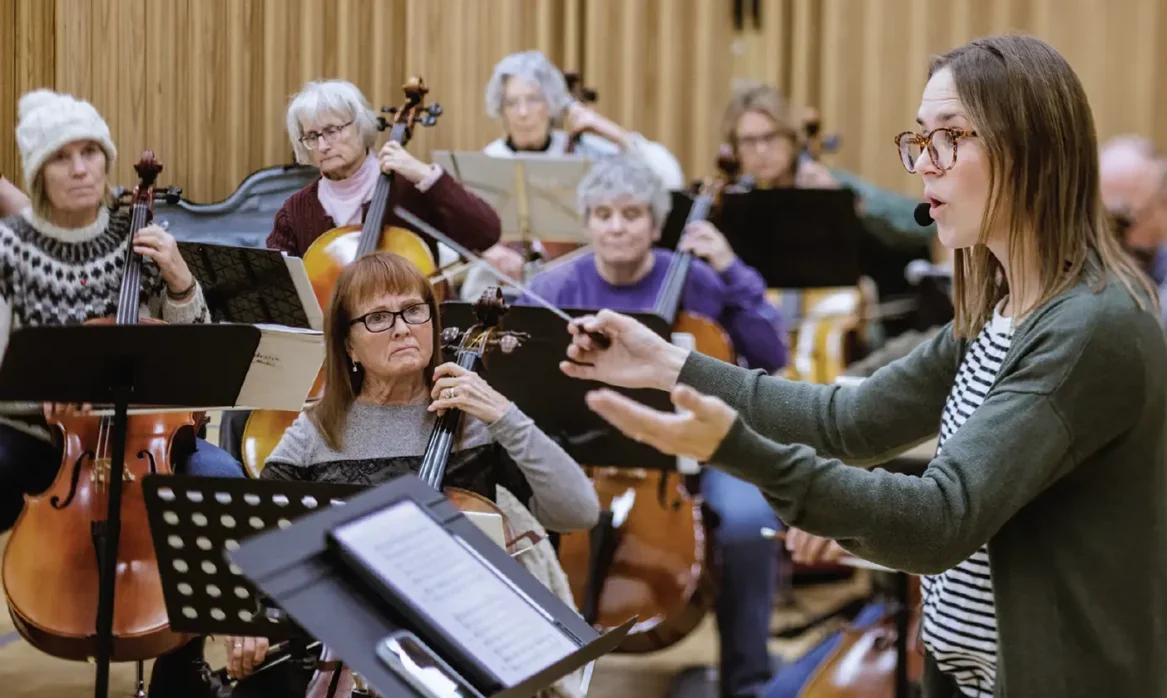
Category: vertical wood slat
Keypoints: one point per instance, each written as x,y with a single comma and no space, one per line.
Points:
206,82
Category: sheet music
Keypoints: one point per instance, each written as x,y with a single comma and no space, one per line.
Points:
444,578
305,292
283,369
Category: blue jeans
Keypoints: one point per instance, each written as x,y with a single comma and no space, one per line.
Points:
791,678
29,465
749,572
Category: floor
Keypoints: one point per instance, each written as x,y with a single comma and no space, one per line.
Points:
27,673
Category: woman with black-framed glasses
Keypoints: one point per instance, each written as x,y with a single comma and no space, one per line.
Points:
385,386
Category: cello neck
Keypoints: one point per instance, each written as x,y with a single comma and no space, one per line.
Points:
441,444
668,300
370,238
141,212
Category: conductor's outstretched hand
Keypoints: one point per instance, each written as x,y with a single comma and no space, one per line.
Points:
695,431
636,358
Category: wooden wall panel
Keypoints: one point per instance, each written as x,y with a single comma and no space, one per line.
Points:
205,83
27,61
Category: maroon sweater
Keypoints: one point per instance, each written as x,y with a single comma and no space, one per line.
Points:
446,206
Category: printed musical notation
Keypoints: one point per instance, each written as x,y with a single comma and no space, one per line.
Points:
461,593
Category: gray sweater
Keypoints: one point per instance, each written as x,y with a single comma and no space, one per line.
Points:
381,442
1062,470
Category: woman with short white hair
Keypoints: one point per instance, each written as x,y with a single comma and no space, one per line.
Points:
528,94
332,127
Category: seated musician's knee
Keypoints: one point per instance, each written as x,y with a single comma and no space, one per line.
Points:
208,460
741,510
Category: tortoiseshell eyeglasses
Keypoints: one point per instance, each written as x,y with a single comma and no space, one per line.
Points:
941,144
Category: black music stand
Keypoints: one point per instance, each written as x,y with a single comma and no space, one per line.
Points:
124,365
795,238
309,575
194,520
530,377
252,286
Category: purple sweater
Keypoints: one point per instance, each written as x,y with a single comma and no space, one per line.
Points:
734,299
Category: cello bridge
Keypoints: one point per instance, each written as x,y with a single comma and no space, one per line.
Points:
101,472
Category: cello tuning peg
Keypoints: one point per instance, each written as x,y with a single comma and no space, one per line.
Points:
434,109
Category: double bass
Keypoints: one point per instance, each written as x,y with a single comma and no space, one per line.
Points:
329,254
51,570
656,554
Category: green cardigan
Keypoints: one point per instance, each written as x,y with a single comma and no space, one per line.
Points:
1061,470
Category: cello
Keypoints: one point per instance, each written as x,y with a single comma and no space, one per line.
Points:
654,548
51,572
339,247
467,348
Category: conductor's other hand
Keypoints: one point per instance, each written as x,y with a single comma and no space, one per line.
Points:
637,357
807,549
506,260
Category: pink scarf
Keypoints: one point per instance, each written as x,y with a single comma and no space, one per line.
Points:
342,200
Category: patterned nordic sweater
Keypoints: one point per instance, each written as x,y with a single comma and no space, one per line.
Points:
56,276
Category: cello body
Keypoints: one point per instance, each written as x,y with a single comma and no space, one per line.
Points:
50,567
662,569
330,253
863,664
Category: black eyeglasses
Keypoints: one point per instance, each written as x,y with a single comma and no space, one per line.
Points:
381,320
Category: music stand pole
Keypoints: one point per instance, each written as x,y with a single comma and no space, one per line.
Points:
106,535
120,365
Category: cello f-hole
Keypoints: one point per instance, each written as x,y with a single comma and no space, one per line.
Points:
55,501
144,454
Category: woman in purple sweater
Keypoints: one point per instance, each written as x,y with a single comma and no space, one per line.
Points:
623,205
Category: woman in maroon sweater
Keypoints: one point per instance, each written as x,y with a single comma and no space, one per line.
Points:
333,128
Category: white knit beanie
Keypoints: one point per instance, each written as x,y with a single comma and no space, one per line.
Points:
49,120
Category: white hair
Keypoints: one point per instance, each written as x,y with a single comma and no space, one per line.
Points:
321,97
623,175
532,66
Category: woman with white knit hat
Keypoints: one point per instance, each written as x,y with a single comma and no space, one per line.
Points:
61,263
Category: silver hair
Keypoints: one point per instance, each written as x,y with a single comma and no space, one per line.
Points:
533,66
623,175
338,97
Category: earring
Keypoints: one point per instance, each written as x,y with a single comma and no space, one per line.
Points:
356,366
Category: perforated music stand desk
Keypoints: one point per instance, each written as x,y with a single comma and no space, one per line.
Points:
253,286
534,195
303,573
530,377
795,238
142,365
195,521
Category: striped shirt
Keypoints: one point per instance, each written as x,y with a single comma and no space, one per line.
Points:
960,624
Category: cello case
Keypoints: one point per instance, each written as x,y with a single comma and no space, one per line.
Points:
243,219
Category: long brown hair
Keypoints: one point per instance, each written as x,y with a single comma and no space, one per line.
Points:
370,276
1032,115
